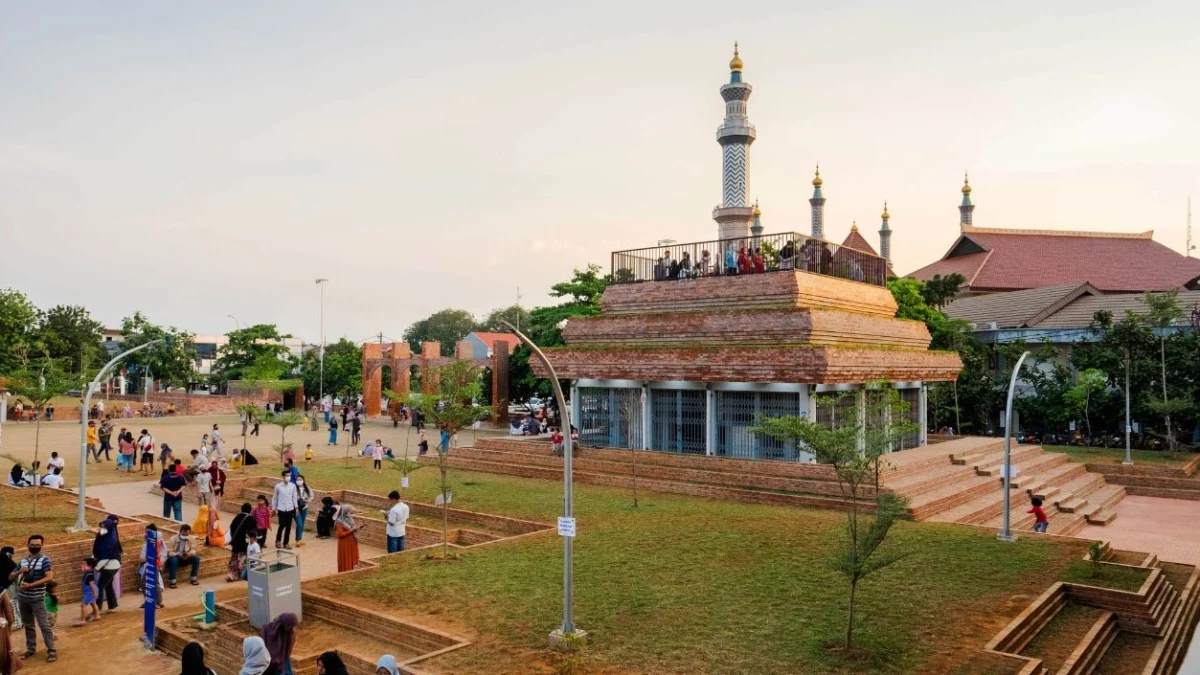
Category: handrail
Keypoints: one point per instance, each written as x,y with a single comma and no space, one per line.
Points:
780,252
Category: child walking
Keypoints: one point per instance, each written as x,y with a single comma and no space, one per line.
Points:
51,601
253,550
1040,521
89,610
262,519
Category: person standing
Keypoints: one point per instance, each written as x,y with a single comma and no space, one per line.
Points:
256,660
262,519
347,548
172,485
193,660
284,503
106,429
204,486
7,617
327,408
215,439
145,445
241,529
107,551
304,495
377,456
7,565
355,429
397,517
93,441
280,637
35,571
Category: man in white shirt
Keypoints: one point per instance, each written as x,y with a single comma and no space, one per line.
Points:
284,503
56,462
53,479
397,517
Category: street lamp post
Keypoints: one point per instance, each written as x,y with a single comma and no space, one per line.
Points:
321,355
568,628
80,521
1006,533
235,321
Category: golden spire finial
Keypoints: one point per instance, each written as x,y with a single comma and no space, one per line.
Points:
885,215
854,226
966,188
735,64
757,211
817,182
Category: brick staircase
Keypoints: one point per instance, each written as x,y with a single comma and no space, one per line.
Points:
1159,611
758,481
960,481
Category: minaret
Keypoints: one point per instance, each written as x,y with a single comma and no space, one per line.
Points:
818,207
885,237
965,209
735,135
756,229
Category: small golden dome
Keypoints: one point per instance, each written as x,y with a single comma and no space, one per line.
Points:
735,64
885,215
854,226
757,211
817,182
966,188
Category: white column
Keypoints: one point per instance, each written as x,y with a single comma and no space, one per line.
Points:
645,416
923,404
710,422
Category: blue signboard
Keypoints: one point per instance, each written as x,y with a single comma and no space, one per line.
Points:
150,583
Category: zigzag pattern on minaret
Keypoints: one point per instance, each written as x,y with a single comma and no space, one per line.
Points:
736,168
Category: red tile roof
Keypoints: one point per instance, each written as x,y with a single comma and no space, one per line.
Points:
1020,259
490,339
855,240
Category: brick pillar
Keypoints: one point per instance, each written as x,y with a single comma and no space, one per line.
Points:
429,378
401,375
500,383
372,379
464,349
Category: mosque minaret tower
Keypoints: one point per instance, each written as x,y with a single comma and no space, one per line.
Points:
735,214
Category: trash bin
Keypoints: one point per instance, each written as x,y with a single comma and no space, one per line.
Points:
274,586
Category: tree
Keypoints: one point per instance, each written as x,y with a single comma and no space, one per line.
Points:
445,327
247,347
18,324
343,369
518,315
451,409
939,289
70,332
1114,344
40,381
1079,397
855,451
1164,312
173,362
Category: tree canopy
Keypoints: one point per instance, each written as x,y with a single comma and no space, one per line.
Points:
515,314
69,332
18,323
247,347
445,327
343,369
173,362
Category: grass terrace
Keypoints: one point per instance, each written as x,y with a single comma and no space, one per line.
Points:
688,585
1117,455
55,513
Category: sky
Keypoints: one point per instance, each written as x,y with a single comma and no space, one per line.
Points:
201,160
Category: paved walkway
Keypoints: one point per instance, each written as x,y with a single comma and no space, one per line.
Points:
1154,525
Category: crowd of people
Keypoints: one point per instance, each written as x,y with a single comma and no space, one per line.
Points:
741,258
270,653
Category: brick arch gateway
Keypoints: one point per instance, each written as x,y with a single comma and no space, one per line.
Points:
398,355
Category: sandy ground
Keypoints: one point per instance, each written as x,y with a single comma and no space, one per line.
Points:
183,434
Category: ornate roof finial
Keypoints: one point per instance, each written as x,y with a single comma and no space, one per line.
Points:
885,215
757,211
966,188
817,182
854,226
735,64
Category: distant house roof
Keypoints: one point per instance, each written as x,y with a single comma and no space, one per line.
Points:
1065,306
994,260
488,339
856,241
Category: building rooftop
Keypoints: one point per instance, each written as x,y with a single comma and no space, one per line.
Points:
1064,306
994,260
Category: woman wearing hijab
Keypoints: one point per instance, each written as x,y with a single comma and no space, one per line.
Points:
280,637
387,665
6,625
730,260
106,549
347,549
16,477
243,524
330,663
193,660
200,524
256,660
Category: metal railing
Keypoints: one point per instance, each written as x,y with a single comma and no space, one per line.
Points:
782,252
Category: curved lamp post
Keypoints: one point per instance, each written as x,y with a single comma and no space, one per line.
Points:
568,628
1006,533
80,520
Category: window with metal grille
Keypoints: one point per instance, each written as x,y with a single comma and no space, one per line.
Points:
610,417
910,411
737,411
678,420
838,409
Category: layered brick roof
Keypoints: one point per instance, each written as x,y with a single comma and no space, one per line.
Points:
993,259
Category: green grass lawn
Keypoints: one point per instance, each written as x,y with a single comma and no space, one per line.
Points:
1116,456
54,515
687,585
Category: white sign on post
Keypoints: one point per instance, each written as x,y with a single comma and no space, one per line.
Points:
566,527
443,499
1006,469
404,481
